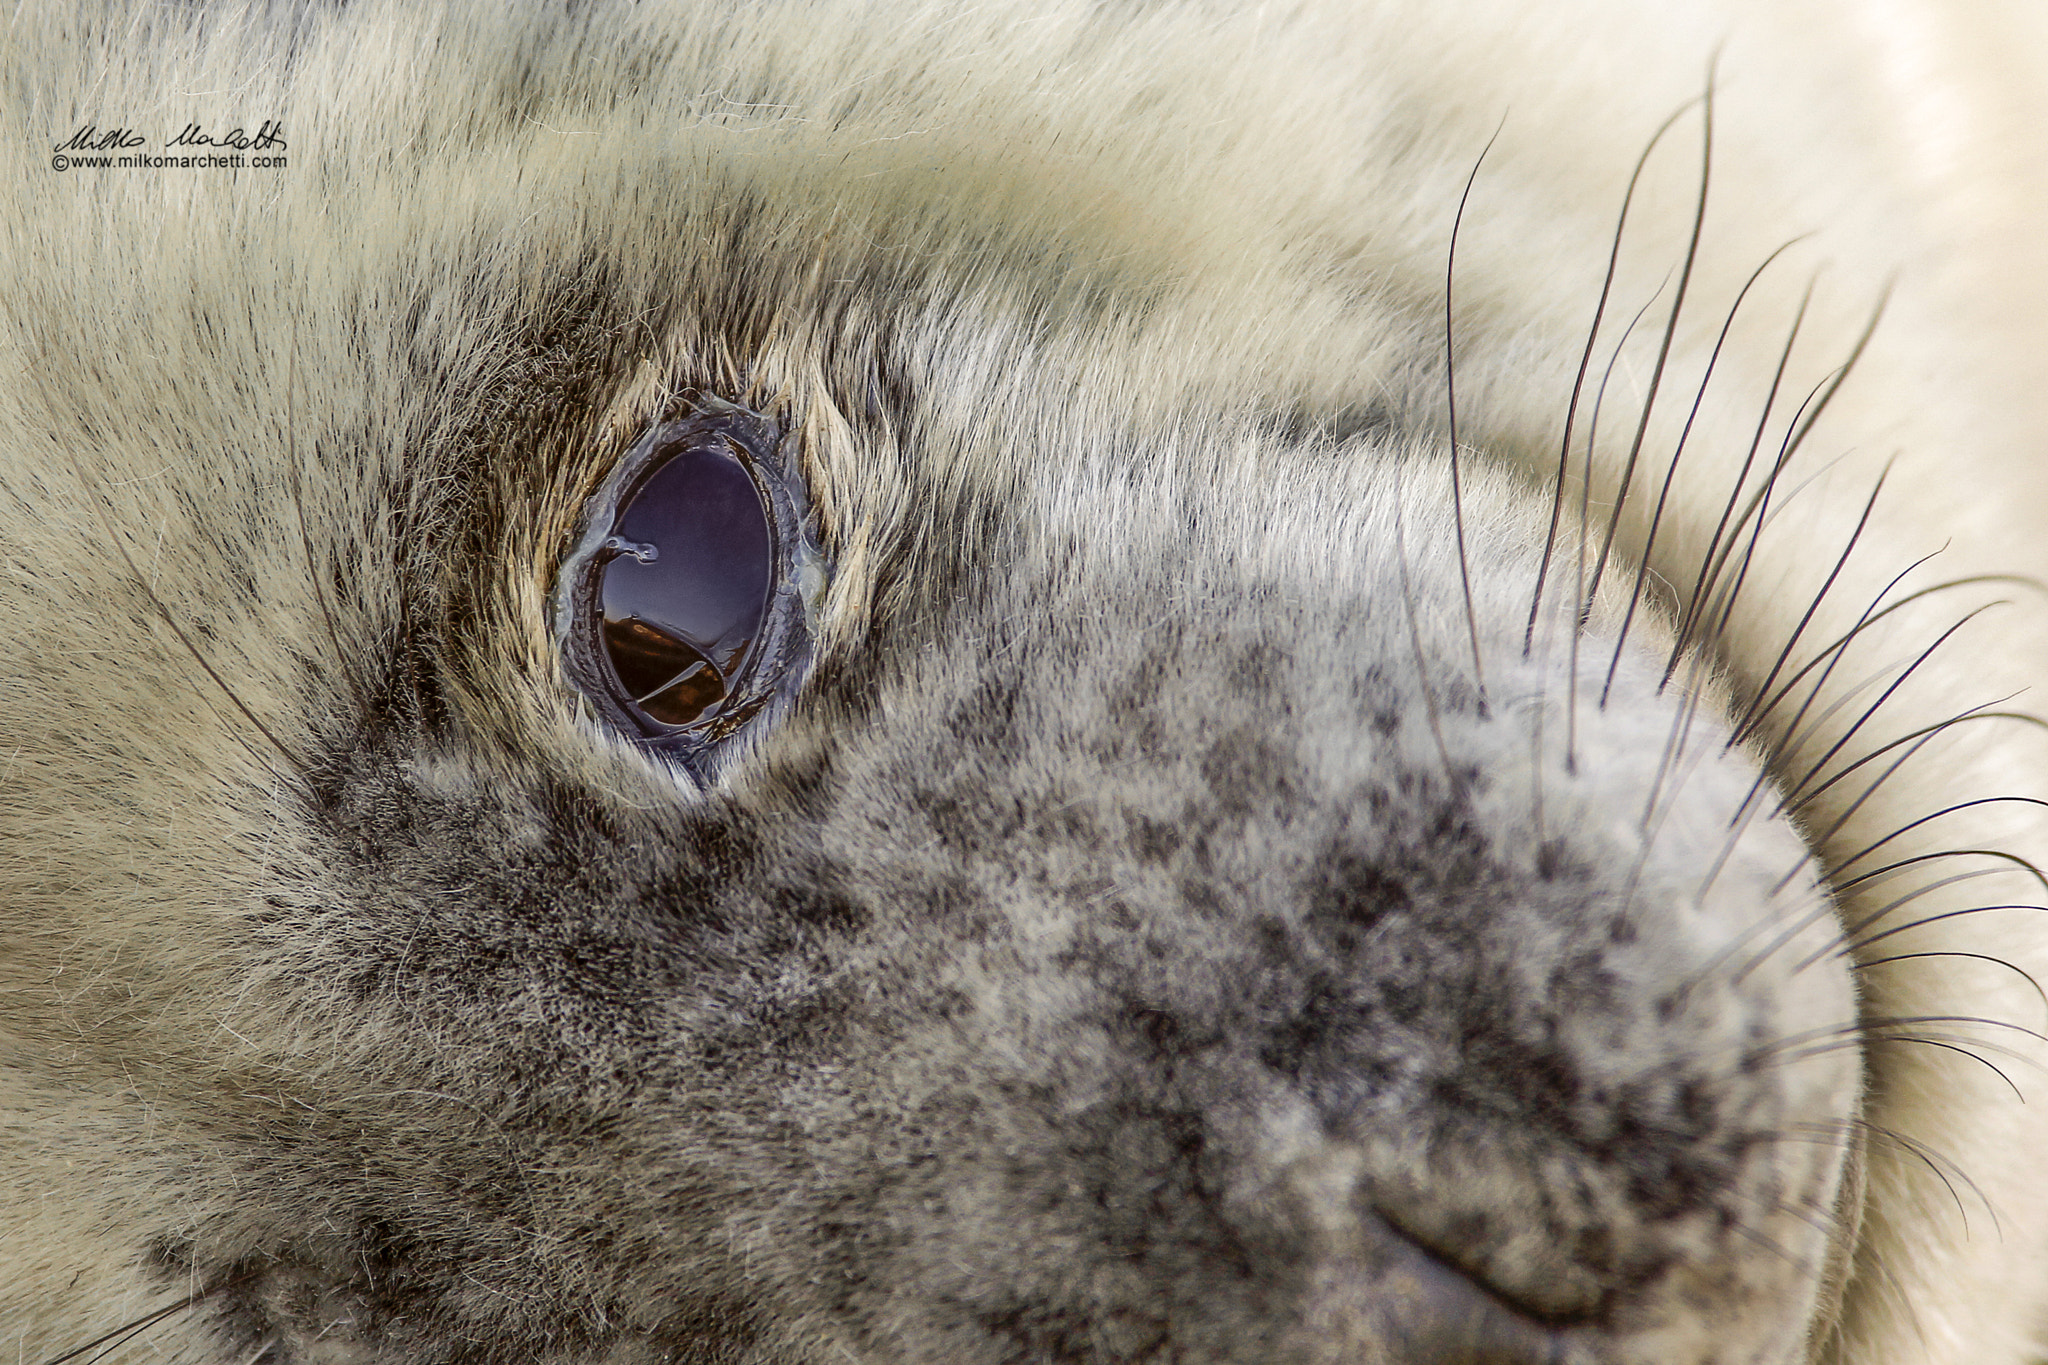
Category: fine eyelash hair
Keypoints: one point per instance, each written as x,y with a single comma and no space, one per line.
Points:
895,682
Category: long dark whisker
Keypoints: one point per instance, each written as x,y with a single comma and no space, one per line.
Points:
1788,1051
1581,604
1850,931
1671,470
1796,790
1664,345
1564,449
1904,863
1755,515
128,1331
299,769
1810,411
1871,616
2024,974
1757,511
1753,801
1912,743
1907,828
1846,943
1695,602
1763,688
1675,744
1926,1155
1825,660
1451,401
1974,713
1828,908
1862,944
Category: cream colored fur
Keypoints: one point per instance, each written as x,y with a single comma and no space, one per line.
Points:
187,352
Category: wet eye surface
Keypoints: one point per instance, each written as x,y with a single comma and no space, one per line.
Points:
683,601
683,613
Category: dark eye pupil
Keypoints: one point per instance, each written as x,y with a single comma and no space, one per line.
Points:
683,603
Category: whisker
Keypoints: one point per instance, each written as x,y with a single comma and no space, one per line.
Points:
1695,601
1871,616
1451,401
1849,932
1797,789
1869,849
1670,335
1862,944
1671,471
1564,448
1581,602
1903,863
1853,1035
1921,1152
2025,975
109,1342
1749,717
299,769
1721,604
1809,412
1925,732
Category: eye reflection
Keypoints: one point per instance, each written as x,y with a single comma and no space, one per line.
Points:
684,604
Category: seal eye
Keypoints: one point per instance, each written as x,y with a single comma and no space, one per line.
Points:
684,612
684,597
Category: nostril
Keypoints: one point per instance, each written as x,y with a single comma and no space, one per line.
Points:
1434,1315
